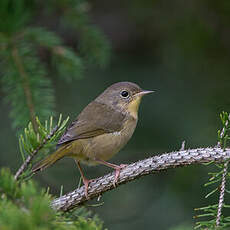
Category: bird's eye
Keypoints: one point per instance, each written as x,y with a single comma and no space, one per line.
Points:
124,94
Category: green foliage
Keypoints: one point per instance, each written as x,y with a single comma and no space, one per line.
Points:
29,54
93,45
67,64
24,206
25,85
210,212
44,138
14,15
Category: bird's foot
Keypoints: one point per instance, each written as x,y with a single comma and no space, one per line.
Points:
85,180
117,172
86,184
116,167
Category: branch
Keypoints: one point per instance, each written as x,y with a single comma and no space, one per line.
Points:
32,154
144,167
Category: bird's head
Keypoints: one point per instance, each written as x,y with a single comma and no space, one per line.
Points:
125,96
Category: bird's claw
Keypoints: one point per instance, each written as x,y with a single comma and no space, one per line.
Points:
117,173
86,184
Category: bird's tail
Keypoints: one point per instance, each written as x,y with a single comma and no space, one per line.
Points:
51,159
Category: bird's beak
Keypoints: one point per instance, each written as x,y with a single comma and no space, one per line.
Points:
143,92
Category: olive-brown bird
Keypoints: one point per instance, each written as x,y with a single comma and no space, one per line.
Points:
101,129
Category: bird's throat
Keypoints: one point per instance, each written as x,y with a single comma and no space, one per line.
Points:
134,106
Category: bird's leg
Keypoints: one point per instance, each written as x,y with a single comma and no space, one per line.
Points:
116,167
84,179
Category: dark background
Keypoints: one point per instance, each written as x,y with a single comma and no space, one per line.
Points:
181,50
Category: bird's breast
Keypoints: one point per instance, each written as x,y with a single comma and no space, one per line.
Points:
107,145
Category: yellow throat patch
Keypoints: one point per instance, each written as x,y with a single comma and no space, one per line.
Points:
134,106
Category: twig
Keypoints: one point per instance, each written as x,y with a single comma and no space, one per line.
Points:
32,154
222,192
144,167
223,182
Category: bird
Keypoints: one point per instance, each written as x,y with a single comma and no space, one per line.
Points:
100,131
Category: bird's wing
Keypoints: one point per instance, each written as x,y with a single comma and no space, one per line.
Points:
94,120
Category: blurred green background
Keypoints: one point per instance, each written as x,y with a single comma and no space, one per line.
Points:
181,50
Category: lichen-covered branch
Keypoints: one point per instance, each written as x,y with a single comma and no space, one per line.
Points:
141,168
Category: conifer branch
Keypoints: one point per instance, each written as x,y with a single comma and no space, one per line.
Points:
144,167
31,142
32,155
222,143
26,86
